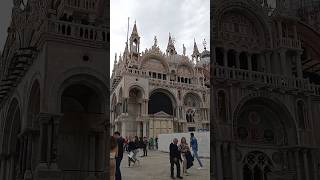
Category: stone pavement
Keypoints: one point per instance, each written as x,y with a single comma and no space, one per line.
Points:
157,167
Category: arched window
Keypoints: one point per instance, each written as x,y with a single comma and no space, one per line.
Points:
222,106
256,165
190,116
301,114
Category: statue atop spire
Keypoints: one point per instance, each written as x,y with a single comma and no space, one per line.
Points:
171,50
184,49
196,54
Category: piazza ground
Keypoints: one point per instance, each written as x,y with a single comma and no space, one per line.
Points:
157,167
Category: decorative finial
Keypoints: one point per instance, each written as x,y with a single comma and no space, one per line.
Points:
184,49
204,44
155,41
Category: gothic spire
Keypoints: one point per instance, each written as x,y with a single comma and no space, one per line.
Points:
135,30
170,48
196,52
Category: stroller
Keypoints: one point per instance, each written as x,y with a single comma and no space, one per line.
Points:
132,157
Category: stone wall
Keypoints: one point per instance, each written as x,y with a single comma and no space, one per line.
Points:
202,137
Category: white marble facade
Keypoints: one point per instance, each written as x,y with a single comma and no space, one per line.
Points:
155,92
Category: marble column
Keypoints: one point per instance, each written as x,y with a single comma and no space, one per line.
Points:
249,61
238,60
233,161
299,65
283,62
225,57
144,129
279,23
298,168
268,62
123,129
92,155
306,164
219,161
138,129
2,168
43,119
28,173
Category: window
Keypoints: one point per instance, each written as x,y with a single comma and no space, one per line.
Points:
154,75
159,76
164,77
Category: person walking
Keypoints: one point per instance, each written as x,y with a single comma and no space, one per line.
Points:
156,142
131,149
175,158
113,155
145,144
184,148
119,157
194,147
151,144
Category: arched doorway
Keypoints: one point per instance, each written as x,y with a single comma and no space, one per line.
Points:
162,112
161,101
13,165
81,136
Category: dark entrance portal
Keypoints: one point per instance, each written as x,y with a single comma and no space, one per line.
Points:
160,101
81,142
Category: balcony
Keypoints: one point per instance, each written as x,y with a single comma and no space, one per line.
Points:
77,31
80,5
265,79
162,82
288,43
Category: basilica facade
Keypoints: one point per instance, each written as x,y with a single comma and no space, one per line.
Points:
53,91
265,90
155,92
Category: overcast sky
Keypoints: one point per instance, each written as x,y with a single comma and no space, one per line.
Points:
184,19
5,17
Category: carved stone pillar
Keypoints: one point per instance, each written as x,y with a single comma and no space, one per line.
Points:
283,61
297,159
233,161
249,61
238,60
306,164
299,65
47,169
123,129
144,129
92,155
219,161
28,173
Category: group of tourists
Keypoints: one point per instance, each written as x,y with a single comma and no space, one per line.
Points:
132,145
184,154
181,153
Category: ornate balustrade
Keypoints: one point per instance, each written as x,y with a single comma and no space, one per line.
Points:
288,43
262,78
145,74
87,5
77,31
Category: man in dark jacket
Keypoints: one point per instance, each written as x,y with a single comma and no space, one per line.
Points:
175,158
120,142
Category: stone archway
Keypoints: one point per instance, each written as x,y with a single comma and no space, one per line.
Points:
264,120
13,165
81,130
161,100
